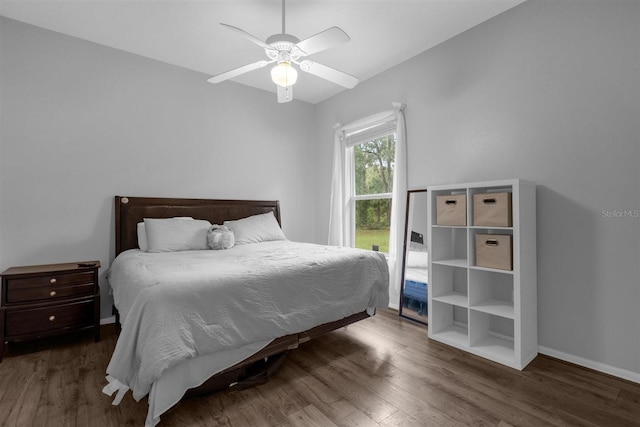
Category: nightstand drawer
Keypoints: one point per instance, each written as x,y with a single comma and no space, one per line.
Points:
59,279
35,320
48,293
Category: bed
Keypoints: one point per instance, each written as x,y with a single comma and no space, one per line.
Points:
193,319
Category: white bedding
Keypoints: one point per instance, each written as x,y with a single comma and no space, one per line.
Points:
417,274
182,306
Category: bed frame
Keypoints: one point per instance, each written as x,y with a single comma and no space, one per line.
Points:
129,211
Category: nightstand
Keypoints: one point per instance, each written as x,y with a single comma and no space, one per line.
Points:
46,300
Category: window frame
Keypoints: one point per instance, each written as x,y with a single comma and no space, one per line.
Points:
358,137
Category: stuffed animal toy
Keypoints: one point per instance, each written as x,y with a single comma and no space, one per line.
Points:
220,237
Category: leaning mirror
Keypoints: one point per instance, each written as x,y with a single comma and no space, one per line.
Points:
413,296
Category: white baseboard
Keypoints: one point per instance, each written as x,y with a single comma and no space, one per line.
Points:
108,320
395,306
591,364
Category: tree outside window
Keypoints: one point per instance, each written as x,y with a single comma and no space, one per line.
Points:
373,170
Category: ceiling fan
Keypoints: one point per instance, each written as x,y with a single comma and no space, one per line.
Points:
285,50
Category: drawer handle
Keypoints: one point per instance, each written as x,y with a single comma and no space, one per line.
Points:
52,293
490,201
451,202
52,281
52,318
492,242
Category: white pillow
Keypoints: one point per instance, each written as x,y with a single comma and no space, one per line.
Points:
417,259
256,228
142,234
172,234
142,237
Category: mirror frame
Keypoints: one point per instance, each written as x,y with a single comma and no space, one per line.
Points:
404,254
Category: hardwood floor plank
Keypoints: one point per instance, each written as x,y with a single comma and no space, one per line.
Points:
310,416
409,399
366,374
327,400
347,385
59,398
579,406
282,397
382,371
22,390
358,419
438,387
402,419
497,384
576,378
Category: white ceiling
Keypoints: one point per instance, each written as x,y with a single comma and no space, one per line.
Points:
186,32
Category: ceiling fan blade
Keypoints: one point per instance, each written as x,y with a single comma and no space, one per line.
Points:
237,71
285,94
323,40
249,36
328,73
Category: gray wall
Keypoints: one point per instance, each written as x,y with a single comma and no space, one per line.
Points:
549,92
82,122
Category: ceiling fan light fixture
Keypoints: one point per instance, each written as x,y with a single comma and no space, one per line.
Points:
286,50
284,74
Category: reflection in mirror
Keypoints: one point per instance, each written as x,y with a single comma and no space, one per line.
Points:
413,297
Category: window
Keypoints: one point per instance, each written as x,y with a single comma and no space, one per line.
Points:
368,187
373,167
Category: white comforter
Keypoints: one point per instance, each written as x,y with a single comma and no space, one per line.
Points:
179,305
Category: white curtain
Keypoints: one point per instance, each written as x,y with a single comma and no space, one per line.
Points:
399,204
341,215
340,233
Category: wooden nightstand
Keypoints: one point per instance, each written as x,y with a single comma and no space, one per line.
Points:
46,300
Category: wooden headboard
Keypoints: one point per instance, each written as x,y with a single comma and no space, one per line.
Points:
132,210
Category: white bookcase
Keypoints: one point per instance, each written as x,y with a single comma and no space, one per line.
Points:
488,312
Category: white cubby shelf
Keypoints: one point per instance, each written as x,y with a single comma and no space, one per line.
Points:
485,311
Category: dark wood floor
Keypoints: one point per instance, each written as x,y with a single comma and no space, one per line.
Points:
379,372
